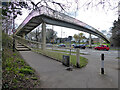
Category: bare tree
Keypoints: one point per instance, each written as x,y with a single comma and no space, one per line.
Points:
76,37
10,10
73,6
36,34
51,35
79,37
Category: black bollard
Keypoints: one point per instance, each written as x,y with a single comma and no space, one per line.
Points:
13,45
102,63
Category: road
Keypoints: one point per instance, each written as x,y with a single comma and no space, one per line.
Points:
54,75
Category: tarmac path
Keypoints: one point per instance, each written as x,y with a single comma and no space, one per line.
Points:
54,75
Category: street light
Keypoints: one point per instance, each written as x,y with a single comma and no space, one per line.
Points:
13,33
14,27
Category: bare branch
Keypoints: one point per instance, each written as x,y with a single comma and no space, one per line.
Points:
59,4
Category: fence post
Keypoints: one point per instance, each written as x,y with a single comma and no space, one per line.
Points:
70,47
70,50
37,45
52,47
78,58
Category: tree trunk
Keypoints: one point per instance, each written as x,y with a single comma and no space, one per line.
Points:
79,41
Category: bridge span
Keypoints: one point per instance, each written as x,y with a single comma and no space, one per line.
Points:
45,15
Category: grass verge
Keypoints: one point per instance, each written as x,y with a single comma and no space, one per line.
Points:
58,56
118,58
69,52
115,49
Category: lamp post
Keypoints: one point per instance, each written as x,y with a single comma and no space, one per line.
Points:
13,17
61,36
13,33
70,38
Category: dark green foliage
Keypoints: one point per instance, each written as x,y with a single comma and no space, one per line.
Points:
34,78
26,71
15,69
115,39
28,67
6,40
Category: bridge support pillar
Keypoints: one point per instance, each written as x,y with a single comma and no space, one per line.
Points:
90,41
100,41
43,46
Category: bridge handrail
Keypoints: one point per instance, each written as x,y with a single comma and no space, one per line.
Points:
31,44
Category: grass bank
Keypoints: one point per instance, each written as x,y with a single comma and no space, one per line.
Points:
69,52
115,49
118,58
58,56
16,73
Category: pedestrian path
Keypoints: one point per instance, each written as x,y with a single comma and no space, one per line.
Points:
54,75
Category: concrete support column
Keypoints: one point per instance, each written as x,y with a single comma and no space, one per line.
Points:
43,46
90,45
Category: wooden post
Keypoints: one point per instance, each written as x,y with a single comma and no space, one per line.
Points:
78,58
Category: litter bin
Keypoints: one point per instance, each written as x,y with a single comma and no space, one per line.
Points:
66,60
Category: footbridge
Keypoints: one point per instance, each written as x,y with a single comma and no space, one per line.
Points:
45,15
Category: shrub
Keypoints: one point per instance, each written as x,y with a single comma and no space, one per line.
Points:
21,75
28,67
34,78
26,71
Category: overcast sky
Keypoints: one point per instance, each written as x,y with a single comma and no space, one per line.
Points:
95,17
